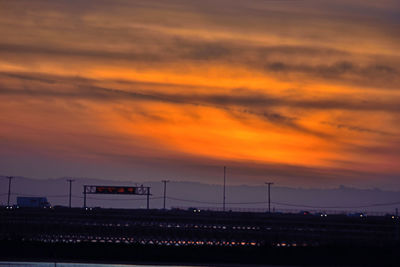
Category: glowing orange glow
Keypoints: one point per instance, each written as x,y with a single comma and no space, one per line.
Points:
187,83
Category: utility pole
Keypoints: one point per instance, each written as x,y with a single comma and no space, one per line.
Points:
223,203
70,190
84,196
148,197
269,196
397,222
9,189
165,190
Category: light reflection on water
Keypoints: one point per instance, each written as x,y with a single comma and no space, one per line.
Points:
63,264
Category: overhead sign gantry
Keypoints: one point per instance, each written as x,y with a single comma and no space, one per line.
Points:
116,190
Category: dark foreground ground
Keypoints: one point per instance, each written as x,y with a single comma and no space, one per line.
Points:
139,254
197,238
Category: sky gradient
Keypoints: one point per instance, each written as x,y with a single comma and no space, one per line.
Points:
304,93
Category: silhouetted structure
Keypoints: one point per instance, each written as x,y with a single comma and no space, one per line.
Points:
116,190
9,189
269,196
70,181
223,197
165,191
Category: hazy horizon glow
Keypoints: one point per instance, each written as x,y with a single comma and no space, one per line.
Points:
304,91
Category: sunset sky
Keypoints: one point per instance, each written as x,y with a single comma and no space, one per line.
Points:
299,92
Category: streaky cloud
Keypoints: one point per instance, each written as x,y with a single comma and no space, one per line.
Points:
246,98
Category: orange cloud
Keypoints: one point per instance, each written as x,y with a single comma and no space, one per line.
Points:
299,84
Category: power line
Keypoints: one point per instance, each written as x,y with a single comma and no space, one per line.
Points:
75,196
285,204
216,202
194,201
119,199
35,195
338,207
